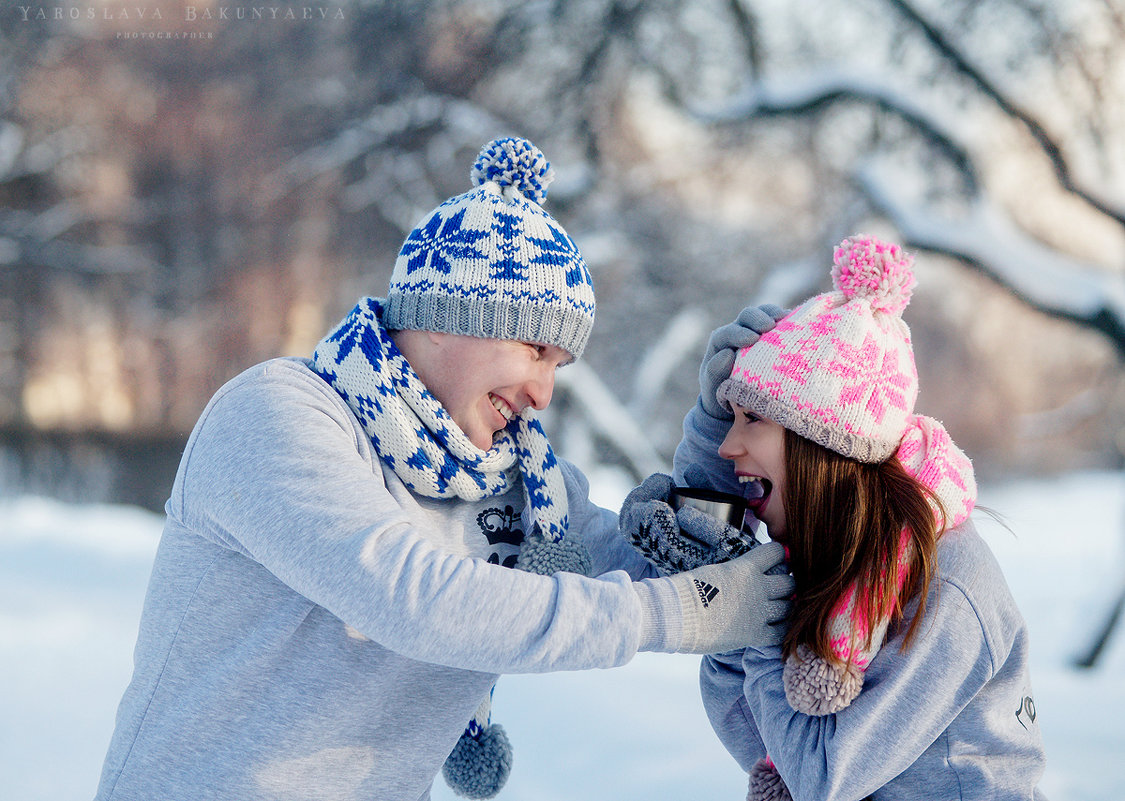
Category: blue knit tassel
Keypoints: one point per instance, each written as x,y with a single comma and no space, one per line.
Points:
480,764
547,557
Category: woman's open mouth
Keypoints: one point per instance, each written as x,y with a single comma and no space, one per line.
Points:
756,490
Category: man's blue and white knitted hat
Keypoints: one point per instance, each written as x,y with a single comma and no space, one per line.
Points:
491,263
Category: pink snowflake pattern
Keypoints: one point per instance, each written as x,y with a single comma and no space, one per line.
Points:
907,450
824,325
859,368
773,336
842,647
793,366
944,464
743,373
824,413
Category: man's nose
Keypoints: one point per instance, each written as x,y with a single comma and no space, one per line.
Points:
541,388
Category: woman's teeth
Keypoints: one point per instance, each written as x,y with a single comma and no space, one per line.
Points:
501,406
754,487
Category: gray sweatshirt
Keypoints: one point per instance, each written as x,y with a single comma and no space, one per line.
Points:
314,630
953,717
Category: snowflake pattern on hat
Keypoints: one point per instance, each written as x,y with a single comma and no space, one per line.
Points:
839,369
492,263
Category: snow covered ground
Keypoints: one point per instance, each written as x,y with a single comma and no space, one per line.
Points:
72,580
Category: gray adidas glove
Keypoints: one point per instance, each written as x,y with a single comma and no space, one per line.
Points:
675,541
734,604
722,347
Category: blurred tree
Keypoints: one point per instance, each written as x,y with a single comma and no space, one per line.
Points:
172,211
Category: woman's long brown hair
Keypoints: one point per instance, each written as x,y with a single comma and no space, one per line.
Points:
844,528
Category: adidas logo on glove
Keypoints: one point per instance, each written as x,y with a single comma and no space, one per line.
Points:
707,592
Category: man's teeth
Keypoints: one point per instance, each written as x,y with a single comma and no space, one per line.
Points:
502,407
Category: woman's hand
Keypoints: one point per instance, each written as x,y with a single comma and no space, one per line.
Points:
675,541
723,346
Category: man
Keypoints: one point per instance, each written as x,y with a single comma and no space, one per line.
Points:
330,603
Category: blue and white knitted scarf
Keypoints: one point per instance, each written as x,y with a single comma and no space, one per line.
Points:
415,436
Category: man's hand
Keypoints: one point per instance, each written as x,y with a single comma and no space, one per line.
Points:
736,604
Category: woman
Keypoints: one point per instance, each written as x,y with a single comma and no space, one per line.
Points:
895,590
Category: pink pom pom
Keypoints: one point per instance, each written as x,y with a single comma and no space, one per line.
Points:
871,269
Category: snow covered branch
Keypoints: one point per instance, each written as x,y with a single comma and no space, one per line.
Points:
986,239
680,344
810,93
1050,147
610,419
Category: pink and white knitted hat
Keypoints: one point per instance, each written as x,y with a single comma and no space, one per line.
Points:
839,369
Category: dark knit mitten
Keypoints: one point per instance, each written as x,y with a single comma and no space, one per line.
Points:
677,540
650,525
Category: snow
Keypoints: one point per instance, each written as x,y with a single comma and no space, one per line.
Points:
72,581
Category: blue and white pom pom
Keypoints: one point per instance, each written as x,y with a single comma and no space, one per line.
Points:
481,761
514,163
546,557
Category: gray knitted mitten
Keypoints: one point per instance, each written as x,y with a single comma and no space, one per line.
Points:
675,541
723,345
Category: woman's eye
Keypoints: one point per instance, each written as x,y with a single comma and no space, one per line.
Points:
750,417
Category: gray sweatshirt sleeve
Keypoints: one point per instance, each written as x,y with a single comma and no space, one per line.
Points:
890,724
946,706
597,527
277,471
721,679
700,446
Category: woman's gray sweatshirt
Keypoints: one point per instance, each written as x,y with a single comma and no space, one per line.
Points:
951,718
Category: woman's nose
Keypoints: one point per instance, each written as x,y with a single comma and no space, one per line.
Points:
730,447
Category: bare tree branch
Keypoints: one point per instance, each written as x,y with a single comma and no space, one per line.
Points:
1053,150
747,25
987,240
813,93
